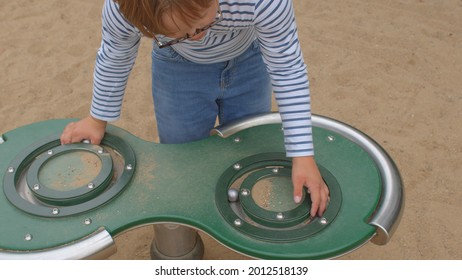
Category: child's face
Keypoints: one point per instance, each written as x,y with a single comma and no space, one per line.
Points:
181,28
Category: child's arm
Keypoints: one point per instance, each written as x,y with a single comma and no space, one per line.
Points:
277,33
114,62
115,59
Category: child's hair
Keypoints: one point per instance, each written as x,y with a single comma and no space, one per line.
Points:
146,15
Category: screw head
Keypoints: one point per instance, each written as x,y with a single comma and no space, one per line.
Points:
50,152
10,169
129,167
237,166
100,151
237,140
55,211
323,221
238,222
245,192
330,138
36,187
275,170
280,216
28,237
87,221
91,185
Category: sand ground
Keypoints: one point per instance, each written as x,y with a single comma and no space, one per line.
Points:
392,69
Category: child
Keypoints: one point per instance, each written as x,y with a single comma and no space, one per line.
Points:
210,58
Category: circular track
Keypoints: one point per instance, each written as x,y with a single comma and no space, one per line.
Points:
249,217
24,188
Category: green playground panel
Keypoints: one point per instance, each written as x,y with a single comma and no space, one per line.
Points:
178,183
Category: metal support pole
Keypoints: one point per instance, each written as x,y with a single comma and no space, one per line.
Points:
176,242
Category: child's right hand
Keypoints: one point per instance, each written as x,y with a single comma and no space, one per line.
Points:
87,128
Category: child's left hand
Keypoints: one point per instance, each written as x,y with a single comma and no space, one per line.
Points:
305,173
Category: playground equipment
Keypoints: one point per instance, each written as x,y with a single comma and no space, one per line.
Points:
70,201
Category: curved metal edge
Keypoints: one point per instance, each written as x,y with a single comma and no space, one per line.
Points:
98,245
389,210
234,127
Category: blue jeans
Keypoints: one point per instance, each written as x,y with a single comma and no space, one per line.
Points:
188,97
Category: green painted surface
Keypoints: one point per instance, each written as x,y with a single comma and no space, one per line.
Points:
176,183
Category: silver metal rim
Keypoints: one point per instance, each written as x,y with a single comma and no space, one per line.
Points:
98,245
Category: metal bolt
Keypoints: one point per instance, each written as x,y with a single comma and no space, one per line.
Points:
275,170
237,140
280,216
237,166
36,187
10,169
323,221
129,167
50,152
245,192
238,222
28,237
233,195
91,185
87,221
55,211
331,138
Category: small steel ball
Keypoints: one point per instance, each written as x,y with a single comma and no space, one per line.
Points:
233,195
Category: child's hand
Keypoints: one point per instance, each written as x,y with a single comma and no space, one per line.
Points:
305,173
88,128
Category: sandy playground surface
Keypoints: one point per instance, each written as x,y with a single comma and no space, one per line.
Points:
392,69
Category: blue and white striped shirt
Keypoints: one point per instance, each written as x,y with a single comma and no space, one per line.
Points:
271,22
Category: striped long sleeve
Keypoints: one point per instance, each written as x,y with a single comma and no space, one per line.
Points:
277,33
114,62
